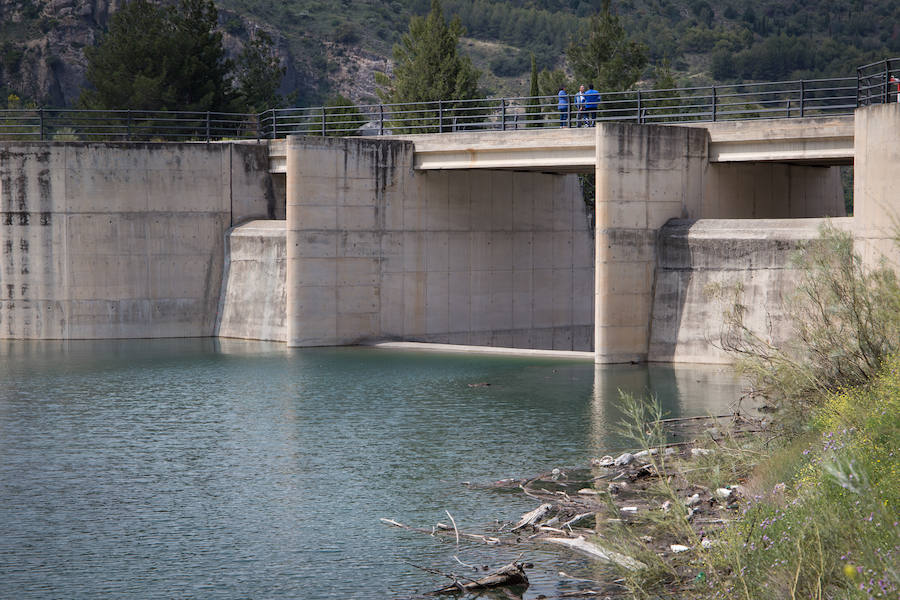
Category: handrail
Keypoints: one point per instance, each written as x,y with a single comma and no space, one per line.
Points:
875,83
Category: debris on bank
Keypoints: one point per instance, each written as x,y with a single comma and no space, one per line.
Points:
576,507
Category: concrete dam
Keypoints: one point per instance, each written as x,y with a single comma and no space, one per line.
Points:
481,239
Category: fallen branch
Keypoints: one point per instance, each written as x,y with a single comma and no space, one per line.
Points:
441,527
530,518
512,574
582,545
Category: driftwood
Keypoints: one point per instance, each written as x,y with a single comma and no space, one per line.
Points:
512,574
445,528
595,551
531,518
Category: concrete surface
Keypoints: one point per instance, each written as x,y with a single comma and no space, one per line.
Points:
646,175
463,349
379,251
253,298
876,182
813,140
702,264
110,240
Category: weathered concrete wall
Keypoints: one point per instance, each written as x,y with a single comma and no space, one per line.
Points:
646,175
119,240
701,264
876,183
379,251
253,298
771,191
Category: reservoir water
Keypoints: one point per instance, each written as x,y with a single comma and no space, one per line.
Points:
208,468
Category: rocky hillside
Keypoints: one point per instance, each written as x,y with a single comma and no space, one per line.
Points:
334,46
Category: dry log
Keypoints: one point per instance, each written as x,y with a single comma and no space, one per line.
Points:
530,518
512,574
586,547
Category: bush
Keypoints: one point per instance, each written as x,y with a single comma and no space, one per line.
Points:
846,320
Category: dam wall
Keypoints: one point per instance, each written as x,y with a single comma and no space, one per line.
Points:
253,299
120,240
379,251
703,267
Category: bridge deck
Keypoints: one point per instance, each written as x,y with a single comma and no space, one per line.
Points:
827,141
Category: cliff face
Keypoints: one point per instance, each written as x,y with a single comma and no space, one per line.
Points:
43,46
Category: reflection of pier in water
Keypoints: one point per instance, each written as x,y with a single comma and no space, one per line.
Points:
682,390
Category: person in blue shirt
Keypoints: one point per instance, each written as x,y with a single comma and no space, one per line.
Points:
591,101
563,107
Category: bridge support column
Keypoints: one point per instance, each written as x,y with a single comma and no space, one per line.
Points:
646,175
876,189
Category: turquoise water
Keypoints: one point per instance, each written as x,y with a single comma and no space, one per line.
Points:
225,469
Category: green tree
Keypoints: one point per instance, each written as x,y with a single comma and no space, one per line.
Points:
342,118
259,75
665,100
533,110
605,56
429,67
160,58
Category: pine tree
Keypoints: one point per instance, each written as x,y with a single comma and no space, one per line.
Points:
160,58
428,67
607,58
259,74
533,110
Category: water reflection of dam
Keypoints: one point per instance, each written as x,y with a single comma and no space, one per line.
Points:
681,389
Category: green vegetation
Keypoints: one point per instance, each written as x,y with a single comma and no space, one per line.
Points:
846,318
428,67
171,58
160,58
819,504
259,74
705,42
606,57
342,118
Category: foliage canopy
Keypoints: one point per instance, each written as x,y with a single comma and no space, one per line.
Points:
171,58
427,63
608,58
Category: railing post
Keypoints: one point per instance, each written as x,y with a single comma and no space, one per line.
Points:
381,119
887,77
640,111
858,86
502,114
41,122
713,103
258,128
440,116
802,98
207,127
128,125
323,121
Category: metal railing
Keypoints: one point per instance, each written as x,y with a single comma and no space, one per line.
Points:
783,99
874,83
64,124
878,83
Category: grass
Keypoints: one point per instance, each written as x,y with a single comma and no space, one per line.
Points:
818,517
833,532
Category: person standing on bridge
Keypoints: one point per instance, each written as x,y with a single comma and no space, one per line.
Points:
563,106
579,106
591,101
